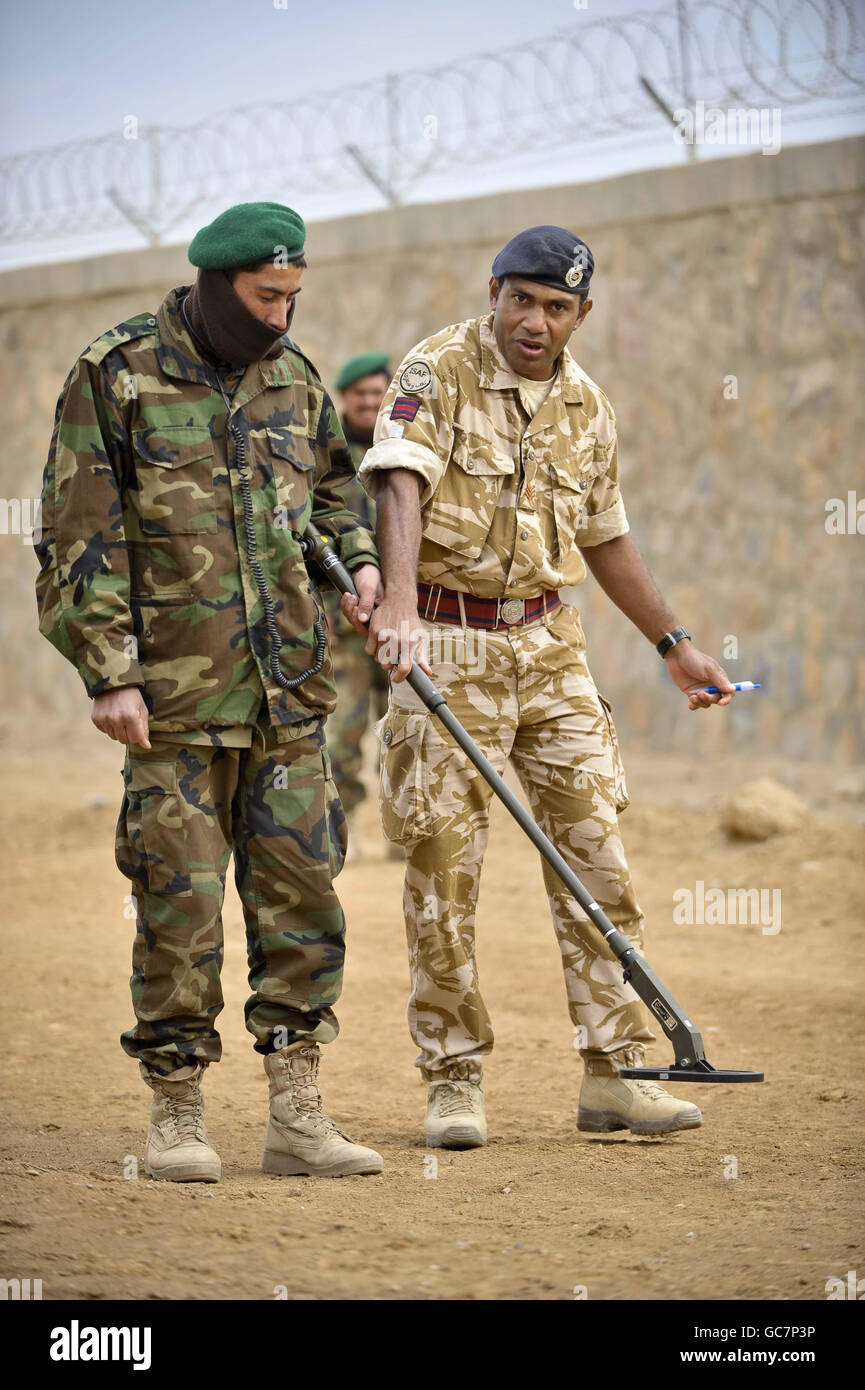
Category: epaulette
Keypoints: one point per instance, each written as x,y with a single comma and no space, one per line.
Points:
138,327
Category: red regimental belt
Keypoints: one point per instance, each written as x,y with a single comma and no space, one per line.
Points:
440,605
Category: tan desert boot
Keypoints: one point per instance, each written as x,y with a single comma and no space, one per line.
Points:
177,1147
614,1102
301,1140
455,1116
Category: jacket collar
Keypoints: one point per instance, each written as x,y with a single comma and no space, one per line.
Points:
496,374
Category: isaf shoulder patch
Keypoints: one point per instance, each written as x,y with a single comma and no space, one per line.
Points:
415,378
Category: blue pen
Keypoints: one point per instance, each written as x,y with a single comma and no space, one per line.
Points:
716,689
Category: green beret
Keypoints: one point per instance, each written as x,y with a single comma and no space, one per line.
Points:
248,232
363,365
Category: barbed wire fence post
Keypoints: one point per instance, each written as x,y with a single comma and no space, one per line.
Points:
685,67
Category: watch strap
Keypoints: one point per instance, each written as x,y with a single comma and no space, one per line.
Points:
670,639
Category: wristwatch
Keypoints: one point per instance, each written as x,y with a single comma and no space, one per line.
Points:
670,639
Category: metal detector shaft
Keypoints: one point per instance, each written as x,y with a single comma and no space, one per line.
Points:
687,1043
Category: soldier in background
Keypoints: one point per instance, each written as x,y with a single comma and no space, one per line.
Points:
361,683
190,449
495,472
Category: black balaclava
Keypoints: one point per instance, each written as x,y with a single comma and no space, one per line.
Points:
224,329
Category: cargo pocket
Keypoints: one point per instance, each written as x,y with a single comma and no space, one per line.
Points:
404,798
337,828
151,847
622,799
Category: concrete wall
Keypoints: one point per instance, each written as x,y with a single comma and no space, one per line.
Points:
747,267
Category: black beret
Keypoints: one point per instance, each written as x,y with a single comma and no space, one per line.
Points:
551,255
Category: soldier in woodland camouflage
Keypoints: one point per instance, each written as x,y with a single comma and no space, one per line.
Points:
495,472
190,449
360,681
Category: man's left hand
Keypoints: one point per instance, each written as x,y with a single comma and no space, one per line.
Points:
689,667
367,581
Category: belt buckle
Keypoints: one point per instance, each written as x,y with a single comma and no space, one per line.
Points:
513,610
426,612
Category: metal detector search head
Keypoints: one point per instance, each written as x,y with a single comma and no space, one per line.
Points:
702,1071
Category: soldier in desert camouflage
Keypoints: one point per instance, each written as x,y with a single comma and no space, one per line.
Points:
495,474
190,449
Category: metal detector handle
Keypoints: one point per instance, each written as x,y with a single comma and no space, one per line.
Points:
319,548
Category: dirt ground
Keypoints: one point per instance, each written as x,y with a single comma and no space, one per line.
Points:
541,1212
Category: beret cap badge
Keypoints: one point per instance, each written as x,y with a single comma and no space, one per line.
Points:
574,276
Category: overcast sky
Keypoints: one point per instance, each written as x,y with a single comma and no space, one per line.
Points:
74,70
71,71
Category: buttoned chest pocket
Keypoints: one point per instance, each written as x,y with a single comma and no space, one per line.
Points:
293,461
461,511
174,472
572,477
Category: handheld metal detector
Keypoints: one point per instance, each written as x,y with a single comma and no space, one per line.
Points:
690,1058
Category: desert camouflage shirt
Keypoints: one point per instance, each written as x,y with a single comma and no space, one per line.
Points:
147,575
508,499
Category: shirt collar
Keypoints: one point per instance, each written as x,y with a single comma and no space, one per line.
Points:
496,374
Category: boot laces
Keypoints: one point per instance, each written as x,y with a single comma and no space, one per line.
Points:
650,1089
452,1100
307,1097
307,1100
186,1112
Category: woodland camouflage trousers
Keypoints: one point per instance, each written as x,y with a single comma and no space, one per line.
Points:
186,809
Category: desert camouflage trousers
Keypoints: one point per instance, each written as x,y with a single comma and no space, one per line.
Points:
361,695
526,695
186,809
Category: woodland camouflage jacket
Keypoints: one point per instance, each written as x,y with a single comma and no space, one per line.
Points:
145,575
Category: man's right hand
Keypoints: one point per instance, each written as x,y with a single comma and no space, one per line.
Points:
122,715
397,638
